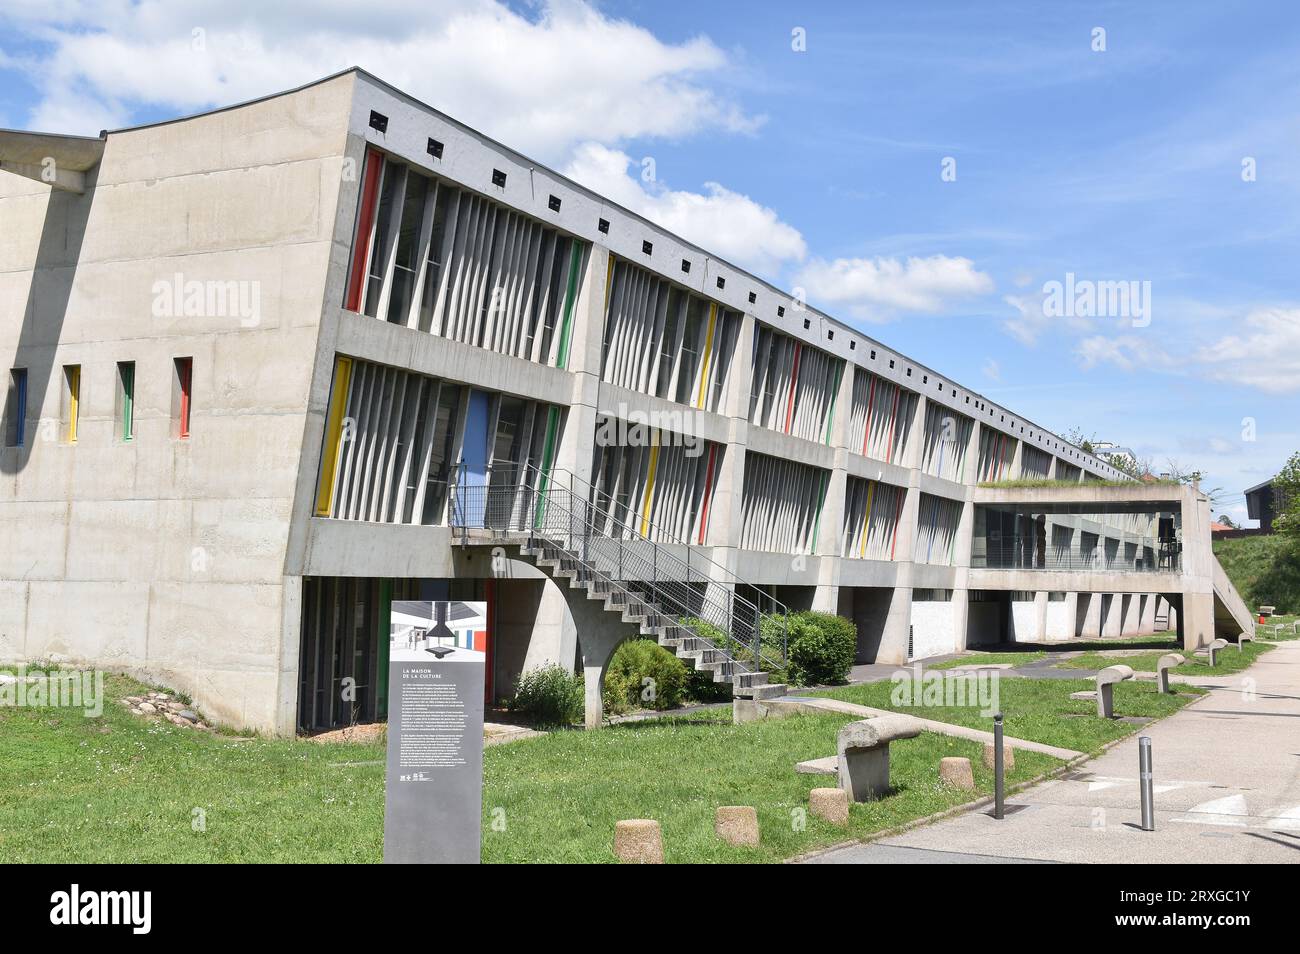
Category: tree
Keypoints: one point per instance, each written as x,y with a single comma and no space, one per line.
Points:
1227,521
1176,472
1081,440
1286,497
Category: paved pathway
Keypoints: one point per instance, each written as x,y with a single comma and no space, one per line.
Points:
1227,773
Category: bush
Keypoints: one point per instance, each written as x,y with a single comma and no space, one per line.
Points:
550,696
821,648
636,661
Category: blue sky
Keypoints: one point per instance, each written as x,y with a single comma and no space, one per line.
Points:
821,168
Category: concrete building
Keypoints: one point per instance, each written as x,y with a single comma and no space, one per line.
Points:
275,366
1265,502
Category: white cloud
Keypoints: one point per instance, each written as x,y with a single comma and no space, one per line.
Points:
1264,355
992,370
568,75
728,223
875,288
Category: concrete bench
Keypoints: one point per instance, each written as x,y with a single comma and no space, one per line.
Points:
1213,650
1267,610
1163,665
864,753
1243,639
1106,680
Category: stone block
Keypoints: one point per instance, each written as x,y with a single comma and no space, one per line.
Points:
831,804
736,824
638,841
956,772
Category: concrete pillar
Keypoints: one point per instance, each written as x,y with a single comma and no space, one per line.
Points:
1040,615
1071,614
577,443
1132,614
831,530
1147,624
1113,624
1092,621
960,617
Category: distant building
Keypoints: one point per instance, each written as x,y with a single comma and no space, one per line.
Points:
1264,502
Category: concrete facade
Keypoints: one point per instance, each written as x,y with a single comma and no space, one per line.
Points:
824,467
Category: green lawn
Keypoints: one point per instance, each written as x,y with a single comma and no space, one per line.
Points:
1037,709
122,789
1230,660
988,659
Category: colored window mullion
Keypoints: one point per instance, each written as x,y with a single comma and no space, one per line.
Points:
866,521
794,381
898,518
817,517
866,431
649,490
570,297
184,381
18,378
708,492
893,425
708,353
73,375
365,223
548,455
333,436
126,373
835,393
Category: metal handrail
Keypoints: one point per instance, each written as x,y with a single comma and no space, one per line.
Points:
533,503
1017,557
665,536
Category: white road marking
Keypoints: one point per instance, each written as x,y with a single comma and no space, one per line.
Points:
1213,812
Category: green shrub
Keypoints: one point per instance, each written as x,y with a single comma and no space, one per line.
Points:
550,696
633,663
821,647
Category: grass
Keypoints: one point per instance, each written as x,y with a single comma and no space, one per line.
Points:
1264,569
990,659
119,788
1038,710
1230,660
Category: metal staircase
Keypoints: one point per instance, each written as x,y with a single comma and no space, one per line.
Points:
670,591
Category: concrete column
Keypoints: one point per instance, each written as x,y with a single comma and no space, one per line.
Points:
960,617
1040,615
1113,624
576,445
970,471
1092,621
1017,460
1133,614
1071,613
1148,621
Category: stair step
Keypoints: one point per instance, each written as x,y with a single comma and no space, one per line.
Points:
747,680
773,691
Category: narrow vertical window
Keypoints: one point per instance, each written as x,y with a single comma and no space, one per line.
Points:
365,226
16,408
181,396
126,398
333,436
72,400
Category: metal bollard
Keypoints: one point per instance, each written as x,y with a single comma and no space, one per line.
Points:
997,766
1147,783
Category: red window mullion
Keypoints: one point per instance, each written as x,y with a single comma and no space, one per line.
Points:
365,222
184,374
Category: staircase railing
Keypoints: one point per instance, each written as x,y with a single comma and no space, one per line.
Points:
694,590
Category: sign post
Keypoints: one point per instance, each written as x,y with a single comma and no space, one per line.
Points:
434,793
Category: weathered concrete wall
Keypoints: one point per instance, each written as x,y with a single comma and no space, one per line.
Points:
165,556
